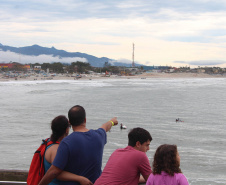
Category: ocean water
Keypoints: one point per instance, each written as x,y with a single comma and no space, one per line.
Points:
27,108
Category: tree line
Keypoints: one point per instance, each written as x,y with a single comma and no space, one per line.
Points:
74,67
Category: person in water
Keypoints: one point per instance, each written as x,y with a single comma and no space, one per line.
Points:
122,126
166,167
60,128
126,165
81,152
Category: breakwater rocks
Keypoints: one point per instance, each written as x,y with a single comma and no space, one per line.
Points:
13,176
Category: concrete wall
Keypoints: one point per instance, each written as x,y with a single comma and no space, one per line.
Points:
13,175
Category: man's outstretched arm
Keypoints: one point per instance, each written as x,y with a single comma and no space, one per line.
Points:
51,174
107,126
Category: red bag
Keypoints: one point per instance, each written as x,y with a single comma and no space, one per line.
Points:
36,171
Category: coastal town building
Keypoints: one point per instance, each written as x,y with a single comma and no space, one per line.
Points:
14,65
79,69
6,66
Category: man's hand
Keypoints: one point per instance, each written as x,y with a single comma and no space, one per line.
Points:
114,120
85,181
107,126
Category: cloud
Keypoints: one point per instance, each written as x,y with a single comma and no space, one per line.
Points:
123,60
163,31
185,21
25,59
203,62
82,9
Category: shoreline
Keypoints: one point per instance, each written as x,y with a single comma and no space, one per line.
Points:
141,76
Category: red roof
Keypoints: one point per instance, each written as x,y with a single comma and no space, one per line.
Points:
6,65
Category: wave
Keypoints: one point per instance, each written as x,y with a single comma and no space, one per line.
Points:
84,83
151,82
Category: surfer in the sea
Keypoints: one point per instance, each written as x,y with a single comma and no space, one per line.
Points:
178,120
122,126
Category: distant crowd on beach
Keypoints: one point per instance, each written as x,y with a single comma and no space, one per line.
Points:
76,158
93,76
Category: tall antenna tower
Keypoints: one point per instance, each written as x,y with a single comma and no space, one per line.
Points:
133,65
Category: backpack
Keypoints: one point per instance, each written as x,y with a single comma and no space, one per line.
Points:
37,171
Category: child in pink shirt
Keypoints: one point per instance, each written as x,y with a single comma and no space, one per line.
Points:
166,167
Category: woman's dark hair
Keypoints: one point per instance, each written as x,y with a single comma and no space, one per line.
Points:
165,159
77,115
59,126
138,134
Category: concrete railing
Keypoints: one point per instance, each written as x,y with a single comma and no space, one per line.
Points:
13,177
12,183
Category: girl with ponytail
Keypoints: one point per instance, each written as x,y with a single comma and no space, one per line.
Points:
60,128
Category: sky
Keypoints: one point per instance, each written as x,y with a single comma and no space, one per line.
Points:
168,32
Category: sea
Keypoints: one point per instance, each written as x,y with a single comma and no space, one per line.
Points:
28,107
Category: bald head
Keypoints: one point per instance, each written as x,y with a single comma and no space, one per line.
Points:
77,115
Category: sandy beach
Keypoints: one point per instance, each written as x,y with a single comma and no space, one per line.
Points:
91,77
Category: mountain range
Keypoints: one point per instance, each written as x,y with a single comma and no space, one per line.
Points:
62,56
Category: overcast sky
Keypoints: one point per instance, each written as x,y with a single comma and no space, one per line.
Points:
166,32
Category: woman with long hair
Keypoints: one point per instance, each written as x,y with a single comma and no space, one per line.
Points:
60,128
166,167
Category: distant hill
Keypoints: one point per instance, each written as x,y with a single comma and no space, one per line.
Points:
36,50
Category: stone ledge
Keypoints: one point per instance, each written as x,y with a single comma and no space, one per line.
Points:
16,177
12,183
13,175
